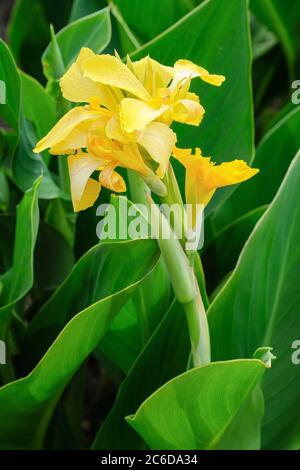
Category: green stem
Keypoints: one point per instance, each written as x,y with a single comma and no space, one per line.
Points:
185,287
137,188
195,260
181,271
198,330
173,198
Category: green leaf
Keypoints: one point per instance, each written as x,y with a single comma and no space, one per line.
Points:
61,220
95,291
125,40
265,310
38,117
223,48
263,39
273,156
27,166
82,8
154,17
187,412
92,31
283,19
7,233
100,270
38,106
4,192
138,319
223,251
25,27
169,349
131,329
9,88
19,278
52,251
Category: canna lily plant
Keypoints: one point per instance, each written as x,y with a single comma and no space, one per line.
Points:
126,123
149,238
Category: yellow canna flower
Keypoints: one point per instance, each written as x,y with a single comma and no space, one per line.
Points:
170,99
139,93
85,190
125,121
203,177
84,128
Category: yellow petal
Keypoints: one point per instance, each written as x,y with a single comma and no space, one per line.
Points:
228,173
110,70
159,140
130,157
89,196
113,131
65,126
110,151
188,111
203,177
196,196
77,88
152,74
191,162
84,189
77,139
102,148
184,69
196,193
110,179
136,114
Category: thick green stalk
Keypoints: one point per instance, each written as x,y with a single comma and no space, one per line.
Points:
172,198
137,188
185,287
196,262
179,267
198,330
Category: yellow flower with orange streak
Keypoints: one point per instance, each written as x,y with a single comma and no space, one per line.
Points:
126,121
203,177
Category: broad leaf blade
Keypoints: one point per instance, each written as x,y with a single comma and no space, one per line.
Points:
283,19
104,268
38,105
27,166
154,18
26,405
9,88
223,251
205,408
265,289
273,157
19,279
92,31
132,328
168,349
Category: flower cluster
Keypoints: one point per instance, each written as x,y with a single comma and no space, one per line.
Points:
126,123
